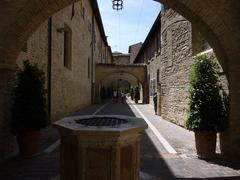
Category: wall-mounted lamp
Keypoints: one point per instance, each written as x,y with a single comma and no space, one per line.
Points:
61,30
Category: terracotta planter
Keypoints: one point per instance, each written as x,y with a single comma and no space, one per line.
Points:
205,144
29,143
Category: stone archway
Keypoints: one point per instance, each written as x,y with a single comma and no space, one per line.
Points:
134,74
218,21
117,81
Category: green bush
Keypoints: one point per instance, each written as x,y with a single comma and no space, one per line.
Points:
131,92
136,93
29,111
207,110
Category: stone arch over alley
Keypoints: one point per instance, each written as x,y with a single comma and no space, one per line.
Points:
218,21
134,74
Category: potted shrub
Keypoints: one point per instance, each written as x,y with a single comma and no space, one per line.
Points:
29,110
206,114
132,93
136,94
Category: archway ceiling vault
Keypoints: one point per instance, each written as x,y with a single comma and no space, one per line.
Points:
218,21
123,76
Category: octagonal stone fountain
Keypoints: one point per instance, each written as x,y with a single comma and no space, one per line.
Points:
98,147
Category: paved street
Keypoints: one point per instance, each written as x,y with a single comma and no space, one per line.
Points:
158,159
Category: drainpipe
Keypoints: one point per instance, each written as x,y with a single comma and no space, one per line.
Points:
49,67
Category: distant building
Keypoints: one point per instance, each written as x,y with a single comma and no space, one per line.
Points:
133,51
120,58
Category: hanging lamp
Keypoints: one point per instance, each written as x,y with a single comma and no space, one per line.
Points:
117,4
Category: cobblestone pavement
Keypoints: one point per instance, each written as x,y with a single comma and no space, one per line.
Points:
156,162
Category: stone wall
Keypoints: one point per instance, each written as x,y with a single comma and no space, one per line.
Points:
121,59
36,49
176,60
153,69
70,86
169,67
133,51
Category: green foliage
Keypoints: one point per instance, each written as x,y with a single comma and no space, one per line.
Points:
132,92
29,111
207,110
136,93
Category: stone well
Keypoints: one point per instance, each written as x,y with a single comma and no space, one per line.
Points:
100,147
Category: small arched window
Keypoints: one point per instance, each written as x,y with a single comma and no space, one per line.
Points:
67,47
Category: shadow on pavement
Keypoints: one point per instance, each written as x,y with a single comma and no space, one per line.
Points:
151,161
226,162
46,166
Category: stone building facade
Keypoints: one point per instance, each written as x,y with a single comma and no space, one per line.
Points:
168,51
71,83
149,54
121,58
67,47
176,61
133,51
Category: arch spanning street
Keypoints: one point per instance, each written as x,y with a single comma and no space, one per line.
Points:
134,74
218,21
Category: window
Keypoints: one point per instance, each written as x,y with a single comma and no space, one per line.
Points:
159,39
67,47
158,74
73,11
89,27
82,11
156,45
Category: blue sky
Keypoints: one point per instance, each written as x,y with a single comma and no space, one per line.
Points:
130,25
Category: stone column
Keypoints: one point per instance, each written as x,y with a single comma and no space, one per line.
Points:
231,138
8,144
145,93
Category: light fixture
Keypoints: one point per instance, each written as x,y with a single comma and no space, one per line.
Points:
117,4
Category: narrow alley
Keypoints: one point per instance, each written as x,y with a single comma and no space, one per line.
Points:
167,151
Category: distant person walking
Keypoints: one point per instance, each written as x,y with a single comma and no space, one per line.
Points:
114,96
122,96
155,102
